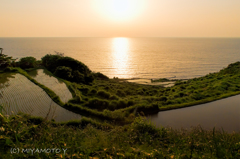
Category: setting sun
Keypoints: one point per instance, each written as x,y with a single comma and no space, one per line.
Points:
119,10
100,79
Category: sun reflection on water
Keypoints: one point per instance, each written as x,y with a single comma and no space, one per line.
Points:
120,55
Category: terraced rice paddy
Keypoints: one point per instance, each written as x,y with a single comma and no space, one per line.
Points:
18,94
56,85
224,113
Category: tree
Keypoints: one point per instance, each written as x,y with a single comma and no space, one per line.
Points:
27,62
6,61
63,72
68,68
50,62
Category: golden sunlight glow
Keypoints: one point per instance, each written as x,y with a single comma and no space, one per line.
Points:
119,10
120,47
114,18
120,53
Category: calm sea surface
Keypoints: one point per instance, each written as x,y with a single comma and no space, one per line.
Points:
148,58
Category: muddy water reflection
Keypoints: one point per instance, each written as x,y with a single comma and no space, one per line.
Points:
224,113
18,94
57,86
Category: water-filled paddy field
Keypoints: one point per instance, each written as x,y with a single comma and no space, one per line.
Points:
18,94
56,85
224,113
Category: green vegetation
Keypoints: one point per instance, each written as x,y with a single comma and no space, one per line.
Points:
68,68
88,139
161,80
6,61
27,62
118,101
112,129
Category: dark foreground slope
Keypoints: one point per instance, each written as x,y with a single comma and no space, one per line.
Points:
24,137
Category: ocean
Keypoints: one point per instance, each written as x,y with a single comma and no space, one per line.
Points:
147,58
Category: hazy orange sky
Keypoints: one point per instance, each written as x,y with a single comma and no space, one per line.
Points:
114,18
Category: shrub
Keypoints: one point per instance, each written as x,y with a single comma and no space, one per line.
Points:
27,62
103,94
181,94
140,91
78,77
80,72
100,76
122,104
160,80
145,130
36,120
78,98
93,92
197,96
89,79
64,72
6,61
84,90
50,61
225,85
163,98
96,103
113,97
113,105
130,102
233,68
144,126
120,93
73,64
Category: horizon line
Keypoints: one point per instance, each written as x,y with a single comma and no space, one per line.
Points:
117,37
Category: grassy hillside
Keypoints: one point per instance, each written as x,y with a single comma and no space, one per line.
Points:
20,133
118,101
113,128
